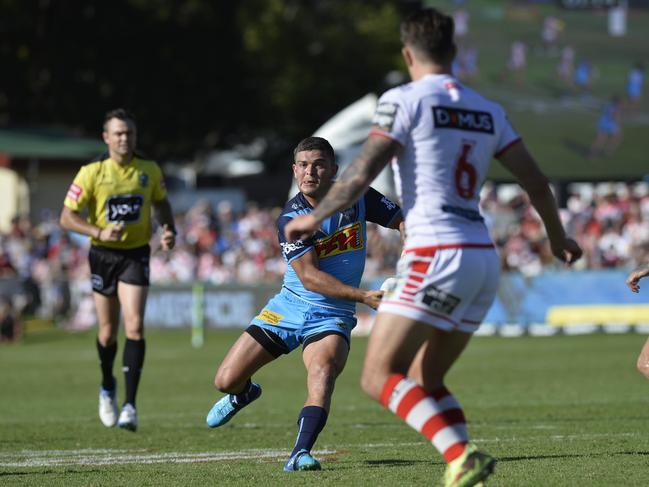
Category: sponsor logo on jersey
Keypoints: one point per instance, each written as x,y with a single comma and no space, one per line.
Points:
348,215
74,192
385,115
270,317
143,179
459,119
124,208
290,247
388,204
344,240
439,300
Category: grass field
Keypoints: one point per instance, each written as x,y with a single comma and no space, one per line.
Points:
558,123
564,411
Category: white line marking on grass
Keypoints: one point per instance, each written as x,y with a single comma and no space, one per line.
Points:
54,458
94,457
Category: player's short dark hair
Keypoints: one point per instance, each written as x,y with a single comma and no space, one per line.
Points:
316,143
430,33
119,113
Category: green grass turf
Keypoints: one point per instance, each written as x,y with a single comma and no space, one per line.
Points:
558,123
561,411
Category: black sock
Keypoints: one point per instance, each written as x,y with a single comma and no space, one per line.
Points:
106,360
133,360
310,423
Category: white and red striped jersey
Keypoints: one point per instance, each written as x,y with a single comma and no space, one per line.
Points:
449,135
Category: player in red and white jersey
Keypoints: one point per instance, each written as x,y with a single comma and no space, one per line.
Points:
443,136
447,134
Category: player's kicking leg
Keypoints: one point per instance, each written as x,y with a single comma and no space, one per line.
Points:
405,365
244,358
324,357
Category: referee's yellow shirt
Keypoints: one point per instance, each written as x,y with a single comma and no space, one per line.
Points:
116,193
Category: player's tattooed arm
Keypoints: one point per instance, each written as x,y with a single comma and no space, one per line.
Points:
377,151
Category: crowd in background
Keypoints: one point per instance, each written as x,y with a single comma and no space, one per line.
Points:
219,246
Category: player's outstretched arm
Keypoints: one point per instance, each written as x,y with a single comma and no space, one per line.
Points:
522,165
377,151
317,281
634,277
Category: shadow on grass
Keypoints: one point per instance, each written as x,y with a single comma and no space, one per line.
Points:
577,147
45,336
393,462
570,455
48,472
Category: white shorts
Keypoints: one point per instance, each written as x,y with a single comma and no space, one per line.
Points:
450,287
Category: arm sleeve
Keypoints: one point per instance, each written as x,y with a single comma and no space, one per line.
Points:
80,190
291,250
380,209
159,189
391,118
508,136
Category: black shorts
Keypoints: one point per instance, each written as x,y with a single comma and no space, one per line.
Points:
107,266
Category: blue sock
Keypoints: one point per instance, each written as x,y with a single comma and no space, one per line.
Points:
310,423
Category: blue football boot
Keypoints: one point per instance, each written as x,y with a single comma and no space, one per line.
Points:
302,461
230,404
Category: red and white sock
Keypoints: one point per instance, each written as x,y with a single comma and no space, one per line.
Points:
437,416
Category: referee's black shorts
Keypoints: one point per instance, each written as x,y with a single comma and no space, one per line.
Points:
108,266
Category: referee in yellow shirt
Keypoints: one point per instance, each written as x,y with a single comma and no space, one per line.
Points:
119,191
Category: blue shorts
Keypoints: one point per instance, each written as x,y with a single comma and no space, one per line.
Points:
295,321
608,127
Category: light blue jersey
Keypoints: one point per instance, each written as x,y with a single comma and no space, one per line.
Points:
340,243
296,315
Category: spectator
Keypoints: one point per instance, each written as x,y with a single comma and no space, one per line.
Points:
57,274
7,320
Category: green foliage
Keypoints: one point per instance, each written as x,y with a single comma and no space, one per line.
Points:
198,74
202,74
555,411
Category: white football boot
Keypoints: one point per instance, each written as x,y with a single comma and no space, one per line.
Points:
128,418
107,407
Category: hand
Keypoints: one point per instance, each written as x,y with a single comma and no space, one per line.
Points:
635,276
567,251
301,227
168,238
112,233
372,298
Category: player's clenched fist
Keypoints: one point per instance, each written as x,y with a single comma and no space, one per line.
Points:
300,228
635,276
112,233
168,238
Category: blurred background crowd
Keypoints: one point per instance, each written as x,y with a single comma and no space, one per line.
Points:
217,245
571,76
